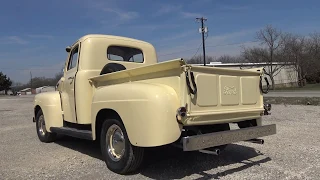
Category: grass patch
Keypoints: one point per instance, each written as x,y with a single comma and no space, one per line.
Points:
312,101
308,87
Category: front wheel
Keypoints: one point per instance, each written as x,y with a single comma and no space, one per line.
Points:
43,134
118,153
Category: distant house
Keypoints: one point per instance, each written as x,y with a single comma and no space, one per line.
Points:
45,89
285,76
26,91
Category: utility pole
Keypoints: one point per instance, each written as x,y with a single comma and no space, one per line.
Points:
31,81
203,30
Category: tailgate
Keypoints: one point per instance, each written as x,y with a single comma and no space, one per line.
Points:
222,95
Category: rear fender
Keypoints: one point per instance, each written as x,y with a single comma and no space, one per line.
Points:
148,111
50,104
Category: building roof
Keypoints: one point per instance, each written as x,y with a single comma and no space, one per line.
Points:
41,87
220,64
26,89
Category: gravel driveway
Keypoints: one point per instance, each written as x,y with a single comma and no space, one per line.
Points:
293,153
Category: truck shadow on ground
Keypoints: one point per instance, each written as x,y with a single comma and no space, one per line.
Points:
171,163
168,162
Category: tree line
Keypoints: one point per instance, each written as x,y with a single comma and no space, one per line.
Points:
38,82
302,52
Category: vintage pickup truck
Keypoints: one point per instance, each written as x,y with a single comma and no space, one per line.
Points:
115,92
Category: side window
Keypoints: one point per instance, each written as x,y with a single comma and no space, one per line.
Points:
137,58
128,54
73,58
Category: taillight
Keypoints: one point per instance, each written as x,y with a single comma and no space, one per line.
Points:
267,107
181,112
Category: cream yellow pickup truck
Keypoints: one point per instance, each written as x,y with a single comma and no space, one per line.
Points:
115,92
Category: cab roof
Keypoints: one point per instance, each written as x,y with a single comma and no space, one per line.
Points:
83,38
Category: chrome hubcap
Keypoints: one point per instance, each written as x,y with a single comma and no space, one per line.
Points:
42,126
115,142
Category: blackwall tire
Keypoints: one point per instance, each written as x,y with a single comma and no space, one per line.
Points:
112,67
118,153
43,134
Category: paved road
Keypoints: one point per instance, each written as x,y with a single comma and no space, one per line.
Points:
293,94
294,153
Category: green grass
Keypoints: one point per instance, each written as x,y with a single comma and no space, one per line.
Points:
308,87
312,101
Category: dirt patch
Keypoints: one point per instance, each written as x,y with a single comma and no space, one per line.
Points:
312,101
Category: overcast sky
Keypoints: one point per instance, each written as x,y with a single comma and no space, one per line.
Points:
34,33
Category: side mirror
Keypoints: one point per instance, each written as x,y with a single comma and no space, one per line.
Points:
68,48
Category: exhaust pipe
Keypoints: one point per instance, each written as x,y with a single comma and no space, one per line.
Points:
213,152
257,141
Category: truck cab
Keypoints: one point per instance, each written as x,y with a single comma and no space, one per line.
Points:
115,92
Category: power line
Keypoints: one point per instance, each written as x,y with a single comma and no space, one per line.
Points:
178,52
198,49
219,45
161,55
231,44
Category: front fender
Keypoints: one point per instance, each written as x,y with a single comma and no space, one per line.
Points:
148,111
50,104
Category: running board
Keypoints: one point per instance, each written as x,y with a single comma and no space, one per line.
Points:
82,134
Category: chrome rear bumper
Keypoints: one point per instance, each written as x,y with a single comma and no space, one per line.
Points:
203,141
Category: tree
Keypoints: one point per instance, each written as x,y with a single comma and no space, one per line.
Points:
271,41
230,59
39,82
294,52
199,60
5,82
311,62
58,76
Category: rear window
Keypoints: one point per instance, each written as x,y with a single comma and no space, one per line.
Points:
128,54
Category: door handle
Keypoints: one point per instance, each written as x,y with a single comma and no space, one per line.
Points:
70,78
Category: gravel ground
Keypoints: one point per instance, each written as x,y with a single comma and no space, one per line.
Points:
293,153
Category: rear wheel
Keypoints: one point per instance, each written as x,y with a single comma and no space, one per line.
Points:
118,153
43,134
112,67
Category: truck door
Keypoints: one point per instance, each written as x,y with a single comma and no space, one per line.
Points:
67,94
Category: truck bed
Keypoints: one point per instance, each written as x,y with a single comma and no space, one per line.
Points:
216,95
